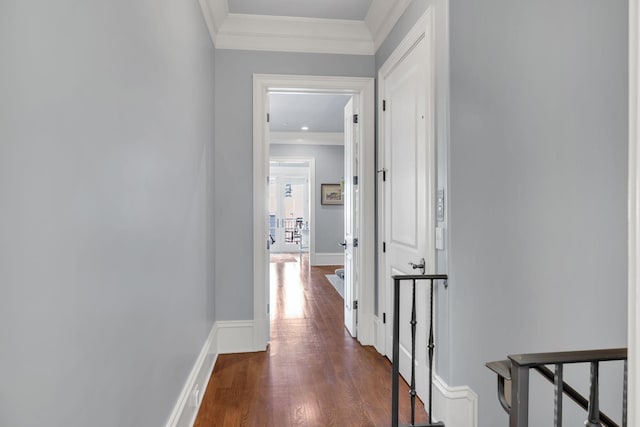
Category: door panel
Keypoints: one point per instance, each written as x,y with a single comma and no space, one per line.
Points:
350,219
408,122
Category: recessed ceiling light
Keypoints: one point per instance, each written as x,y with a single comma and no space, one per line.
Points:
305,128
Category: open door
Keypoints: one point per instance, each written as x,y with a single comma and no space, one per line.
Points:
350,243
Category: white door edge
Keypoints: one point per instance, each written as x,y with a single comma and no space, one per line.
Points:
350,218
364,88
633,418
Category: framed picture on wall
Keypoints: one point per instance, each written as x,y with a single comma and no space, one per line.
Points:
331,194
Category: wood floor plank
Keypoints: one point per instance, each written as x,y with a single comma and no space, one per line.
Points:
313,373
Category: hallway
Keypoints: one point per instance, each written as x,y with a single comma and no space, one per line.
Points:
313,373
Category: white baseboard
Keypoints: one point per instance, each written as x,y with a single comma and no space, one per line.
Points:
186,409
235,336
456,406
326,258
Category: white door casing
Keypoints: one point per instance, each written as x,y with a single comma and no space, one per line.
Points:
407,155
350,218
363,88
634,216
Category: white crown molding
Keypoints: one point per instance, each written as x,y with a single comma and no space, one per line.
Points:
312,35
306,138
215,12
285,34
382,16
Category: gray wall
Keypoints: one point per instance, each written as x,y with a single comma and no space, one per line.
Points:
329,220
233,165
537,190
106,130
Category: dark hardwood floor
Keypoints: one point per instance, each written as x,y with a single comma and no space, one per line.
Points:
312,374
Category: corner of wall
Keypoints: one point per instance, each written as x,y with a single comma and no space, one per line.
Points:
235,336
186,409
456,406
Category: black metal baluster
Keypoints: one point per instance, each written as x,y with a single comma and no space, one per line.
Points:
594,407
412,392
431,347
558,393
396,348
396,352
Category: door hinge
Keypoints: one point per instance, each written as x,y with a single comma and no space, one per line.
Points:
384,317
268,117
355,304
384,247
384,105
268,308
355,118
355,180
355,243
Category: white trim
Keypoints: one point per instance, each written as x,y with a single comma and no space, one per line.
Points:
307,138
382,17
364,88
215,13
208,19
287,34
455,406
633,418
293,34
186,409
235,336
325,258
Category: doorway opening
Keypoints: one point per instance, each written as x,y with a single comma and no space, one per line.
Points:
361,90
290,213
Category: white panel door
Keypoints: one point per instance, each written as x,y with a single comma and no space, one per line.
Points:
408,132
350,219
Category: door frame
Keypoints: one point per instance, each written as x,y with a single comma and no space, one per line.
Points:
633,297
312,194
424,28
364,88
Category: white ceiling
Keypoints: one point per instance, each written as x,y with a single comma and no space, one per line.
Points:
353,27
319,112
324,9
